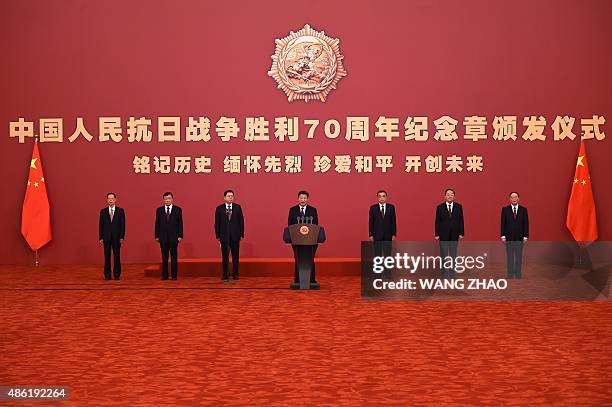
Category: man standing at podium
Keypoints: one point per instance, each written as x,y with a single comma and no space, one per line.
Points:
449,230
169,232
514,232
229,230
382,225
111,234
302,213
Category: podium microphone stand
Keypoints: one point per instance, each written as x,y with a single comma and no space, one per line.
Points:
304,237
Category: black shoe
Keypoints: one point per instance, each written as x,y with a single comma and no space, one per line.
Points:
236,277
174,278
164,278
107,278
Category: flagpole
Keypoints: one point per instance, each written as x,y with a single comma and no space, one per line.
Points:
36,259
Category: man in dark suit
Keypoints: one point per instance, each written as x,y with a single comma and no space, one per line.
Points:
169,232
514,232
111,235
229,231
303,213
449,230
382,225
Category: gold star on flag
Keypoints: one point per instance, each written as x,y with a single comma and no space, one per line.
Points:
28,183
584,182
33,163
42,179
36,184
575,180
580,163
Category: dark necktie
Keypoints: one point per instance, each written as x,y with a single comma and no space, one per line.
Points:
303,211
450,211
382,211
514,210
167,213
228,212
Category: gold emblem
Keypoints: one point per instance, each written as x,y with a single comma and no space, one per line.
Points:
304,230
307,64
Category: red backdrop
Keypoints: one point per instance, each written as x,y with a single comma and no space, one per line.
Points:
194,58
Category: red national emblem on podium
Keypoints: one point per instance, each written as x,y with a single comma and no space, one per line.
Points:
307,64
304,230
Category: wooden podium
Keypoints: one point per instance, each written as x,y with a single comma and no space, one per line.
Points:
304,237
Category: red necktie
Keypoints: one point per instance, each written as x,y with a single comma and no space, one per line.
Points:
112,214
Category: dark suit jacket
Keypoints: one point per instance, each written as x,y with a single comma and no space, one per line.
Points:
294,213
382,228
449,228
115,230
514,229
169,231
226,230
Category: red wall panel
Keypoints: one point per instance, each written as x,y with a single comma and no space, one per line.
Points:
155,58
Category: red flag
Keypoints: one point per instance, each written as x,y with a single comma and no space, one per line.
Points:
35,215
581,217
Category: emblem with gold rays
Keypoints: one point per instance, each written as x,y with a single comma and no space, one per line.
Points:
307,64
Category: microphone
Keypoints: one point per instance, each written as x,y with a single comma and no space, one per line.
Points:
298,220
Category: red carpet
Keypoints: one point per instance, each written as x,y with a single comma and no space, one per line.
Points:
145,342
262,267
